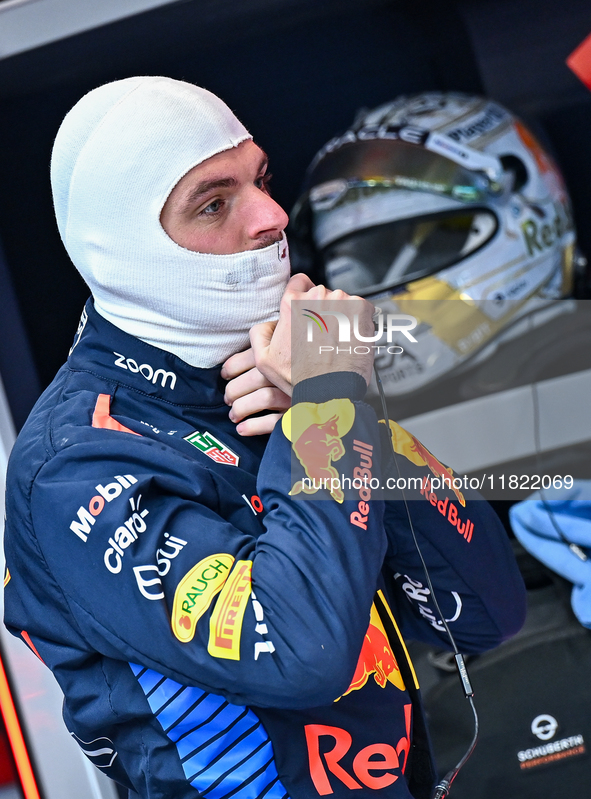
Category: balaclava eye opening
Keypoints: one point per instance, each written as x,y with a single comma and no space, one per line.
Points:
117,156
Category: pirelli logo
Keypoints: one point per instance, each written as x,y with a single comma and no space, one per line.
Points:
225,624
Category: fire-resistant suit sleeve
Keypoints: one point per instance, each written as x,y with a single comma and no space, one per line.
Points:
156,565
464,546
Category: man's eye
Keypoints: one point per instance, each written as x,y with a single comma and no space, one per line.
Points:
263,182
213,208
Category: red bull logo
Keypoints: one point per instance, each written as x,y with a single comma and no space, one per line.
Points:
406,444
376,658
372,766
316,432
437,468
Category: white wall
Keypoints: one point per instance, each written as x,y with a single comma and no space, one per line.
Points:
25,24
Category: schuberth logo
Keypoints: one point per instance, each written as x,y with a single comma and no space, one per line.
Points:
544,727
145,370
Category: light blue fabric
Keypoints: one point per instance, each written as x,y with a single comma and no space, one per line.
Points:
532,525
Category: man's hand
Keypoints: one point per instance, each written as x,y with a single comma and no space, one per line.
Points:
272,348
249,392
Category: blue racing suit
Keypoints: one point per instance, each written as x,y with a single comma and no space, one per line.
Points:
214,635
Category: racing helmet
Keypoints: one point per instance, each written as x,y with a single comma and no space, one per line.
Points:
434,197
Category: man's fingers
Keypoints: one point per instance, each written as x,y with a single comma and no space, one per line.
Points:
244,384
262,425
298,283
267,398
260,336
237,364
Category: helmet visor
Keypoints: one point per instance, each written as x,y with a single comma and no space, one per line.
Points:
390,255
392,164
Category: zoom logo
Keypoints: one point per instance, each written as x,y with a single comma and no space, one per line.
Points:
146,371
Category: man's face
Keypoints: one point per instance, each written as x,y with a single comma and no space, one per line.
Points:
223,206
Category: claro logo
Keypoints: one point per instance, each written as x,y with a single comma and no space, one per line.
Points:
145,370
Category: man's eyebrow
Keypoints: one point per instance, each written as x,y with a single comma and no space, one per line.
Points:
222,183
205,187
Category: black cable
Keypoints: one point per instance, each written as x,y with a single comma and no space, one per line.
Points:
443,786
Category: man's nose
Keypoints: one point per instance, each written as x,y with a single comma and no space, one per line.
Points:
267,217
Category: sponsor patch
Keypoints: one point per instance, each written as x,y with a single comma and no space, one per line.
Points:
212,447
101,751
544,727
195,592
406,444
79,331
552,752
316,432
376,658
225,624
105,493
372,766
464,528
146,371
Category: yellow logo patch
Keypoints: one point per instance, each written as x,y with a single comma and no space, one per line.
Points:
225,623
195,592
315,432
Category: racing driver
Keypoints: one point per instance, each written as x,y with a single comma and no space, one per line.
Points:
214,635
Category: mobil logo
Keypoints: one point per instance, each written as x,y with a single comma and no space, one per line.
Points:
105,493
373,766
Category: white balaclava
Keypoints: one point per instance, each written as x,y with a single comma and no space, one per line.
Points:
117,156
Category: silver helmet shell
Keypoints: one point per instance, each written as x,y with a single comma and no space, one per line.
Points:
444,206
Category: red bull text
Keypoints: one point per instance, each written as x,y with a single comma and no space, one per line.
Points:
324,762
449,511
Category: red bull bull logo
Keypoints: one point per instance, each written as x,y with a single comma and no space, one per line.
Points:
316,432
376,658
406,444
437,468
